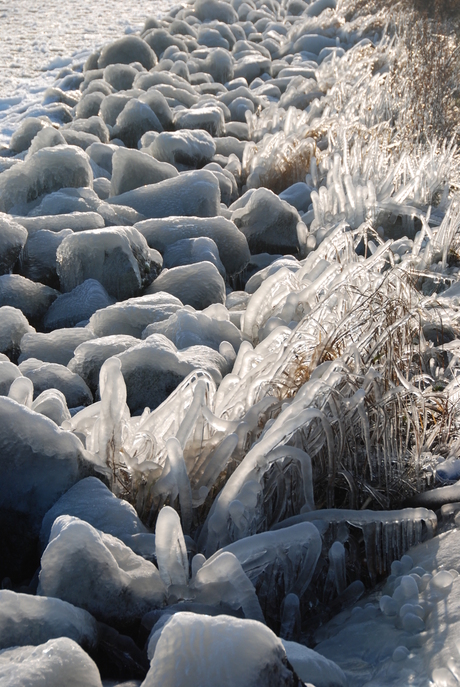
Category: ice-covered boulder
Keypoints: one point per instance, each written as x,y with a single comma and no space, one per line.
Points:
133,315
154,368
298,195
232,244
193,193
118,257
90,500
189,251
66,201
32,298
53,664
186,328
39,462
185,149
76,221
208,118
26,132
120,76
269,224
230,652
38,260
13,237
76,306
55,347
314,668
48,170
13,326
134,121
207,10
32,620
133,168
127,50
89,356
99,573
198,284
54,376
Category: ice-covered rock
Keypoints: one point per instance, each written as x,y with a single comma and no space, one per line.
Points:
13,326
45,138
314,668
39,462
38,260
26,132
198,284
133,168
208,118
232,244
186,328
154,368
184,149
230,652
32,298
76,221
54,376
12,240
194,193
32,620
89,357
269,224
120,76
188,251
134,121
52,403
133,315
127,50
298,195
99,573
118,257
53,664
90,500
76,306
56,347
48,170
8,373
66,201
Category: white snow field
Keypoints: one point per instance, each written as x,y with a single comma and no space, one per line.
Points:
229,351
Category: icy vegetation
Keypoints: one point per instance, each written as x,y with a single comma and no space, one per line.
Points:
229,361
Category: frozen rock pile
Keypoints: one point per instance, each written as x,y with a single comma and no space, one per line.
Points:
229,353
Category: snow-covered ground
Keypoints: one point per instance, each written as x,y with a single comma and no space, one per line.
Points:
40,38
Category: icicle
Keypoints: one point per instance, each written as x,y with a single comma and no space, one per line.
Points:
176,457
290,618
170,550
337,566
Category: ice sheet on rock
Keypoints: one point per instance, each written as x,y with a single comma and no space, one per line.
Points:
190,194
77,221
117,257
12,240
133,168
232,245
53,664
133,315
203,651
55,376
90,500
289,557
154,368
99,573
56,347
38,259
135,119
52,403
8,373
76,306
198,284
186,328
185,149
48,170
313,668
269,224
32,620
13,326
47,460
32,298
89,356
187,251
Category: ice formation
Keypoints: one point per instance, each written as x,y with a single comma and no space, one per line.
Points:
229,325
